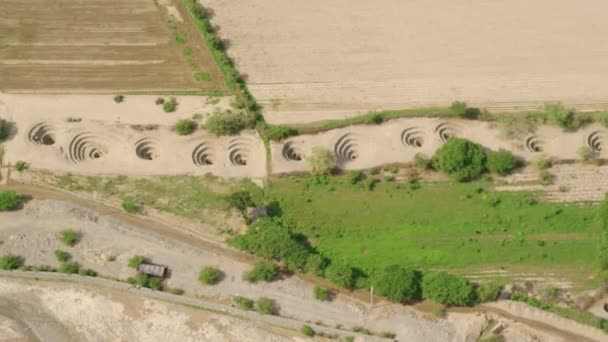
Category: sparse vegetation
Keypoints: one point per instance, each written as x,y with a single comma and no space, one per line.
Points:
559,115
136,260
185,127
130,205
321,293
69,237
21,166
262,271
69,267
10,262
423,162
542,163
586,153
243,303
171,105
87,272
9,200
119,98
321,161
545,177
209,275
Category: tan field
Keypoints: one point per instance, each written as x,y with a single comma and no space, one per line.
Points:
102,46
315,60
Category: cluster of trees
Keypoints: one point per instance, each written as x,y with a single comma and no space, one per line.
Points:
465,160
274,239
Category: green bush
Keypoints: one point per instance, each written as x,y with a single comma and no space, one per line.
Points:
159,101
321,293
136,260
209,275
226,123
266,306
448,289
307,331
130,205
185,127
11,262
269,238
69,267
559,115
272,132
87,272
4,129
316,264
243,303
68,237
321,161
501,162
147,281
373,119
262,271
21,166
341,274
462,159
170,106
240,200
119,98
398,284
489,292
9,200
62,256
461,110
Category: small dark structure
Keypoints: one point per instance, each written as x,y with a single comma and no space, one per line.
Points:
255,213
153,270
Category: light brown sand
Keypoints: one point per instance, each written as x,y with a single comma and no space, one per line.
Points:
316,60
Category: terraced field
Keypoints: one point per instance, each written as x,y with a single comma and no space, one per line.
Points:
102,46
319,60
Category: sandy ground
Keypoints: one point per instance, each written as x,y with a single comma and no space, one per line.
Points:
316,60
32,233
63,312
101,46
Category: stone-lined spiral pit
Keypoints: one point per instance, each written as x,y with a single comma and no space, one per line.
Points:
412,137
238,151
534,144
292,151
346,148
202,155
146,149
595,141
42,134
87,146
445,131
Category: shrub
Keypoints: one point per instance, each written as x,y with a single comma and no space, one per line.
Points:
373,119
501,162
144,280
398,284
69,267
423,162
170,106
119,98
546,177
307,331
226,123
388,334
585,153
62,256
262,270
272,132
355,177
11,262
21,166
159,101
44,268
68,237
602,118
130,205
4,128
559,115
341,274
243,303
316,264
209,275
462,159
542,163
265,306
321,161
87,272
460,109
185,127
321,293
489,292
9,200
449,289
135,261
240,200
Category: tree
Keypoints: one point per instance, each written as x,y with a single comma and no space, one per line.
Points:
462,159
9,200
185,127
449,289
321,161
341,274
262,270
11,262
209,275
502,162
226,123
398,284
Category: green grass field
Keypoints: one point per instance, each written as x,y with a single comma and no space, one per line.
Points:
464,227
